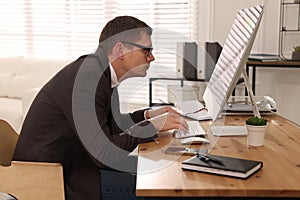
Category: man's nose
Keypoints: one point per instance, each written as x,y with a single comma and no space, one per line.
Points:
150,57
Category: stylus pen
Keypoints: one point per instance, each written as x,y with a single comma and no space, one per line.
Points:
188,117
206,158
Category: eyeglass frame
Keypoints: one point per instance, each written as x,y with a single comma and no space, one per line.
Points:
147,49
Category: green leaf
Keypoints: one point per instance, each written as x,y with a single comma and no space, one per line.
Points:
256,121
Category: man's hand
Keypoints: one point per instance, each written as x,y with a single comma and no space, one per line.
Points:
159,111
169,120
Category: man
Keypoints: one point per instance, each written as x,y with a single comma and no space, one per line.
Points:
75,119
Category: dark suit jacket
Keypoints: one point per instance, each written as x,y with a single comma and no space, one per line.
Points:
75,120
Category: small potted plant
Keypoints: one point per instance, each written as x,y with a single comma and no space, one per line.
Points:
296,53
256,121
256,127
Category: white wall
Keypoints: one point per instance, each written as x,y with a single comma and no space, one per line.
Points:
282,84
225,11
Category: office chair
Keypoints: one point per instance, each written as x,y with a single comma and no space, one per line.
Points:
8,141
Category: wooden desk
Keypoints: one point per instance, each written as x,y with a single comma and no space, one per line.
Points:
161,175
33,181
276,64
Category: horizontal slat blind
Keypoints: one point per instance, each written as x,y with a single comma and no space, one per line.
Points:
46,26
13,37
70,28
171,21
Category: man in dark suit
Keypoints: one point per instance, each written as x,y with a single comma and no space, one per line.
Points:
75,119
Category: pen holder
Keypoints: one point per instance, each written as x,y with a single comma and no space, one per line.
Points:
256,135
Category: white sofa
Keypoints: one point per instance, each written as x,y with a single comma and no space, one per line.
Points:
20,80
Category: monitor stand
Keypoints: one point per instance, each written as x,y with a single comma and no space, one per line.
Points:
237,130
251,95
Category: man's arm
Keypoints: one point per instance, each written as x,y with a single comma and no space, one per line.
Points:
91,107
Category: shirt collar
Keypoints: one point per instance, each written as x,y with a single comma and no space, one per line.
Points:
114,79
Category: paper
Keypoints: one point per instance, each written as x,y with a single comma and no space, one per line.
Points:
193,109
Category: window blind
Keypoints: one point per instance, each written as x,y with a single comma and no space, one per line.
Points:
13,35
70,28
172,22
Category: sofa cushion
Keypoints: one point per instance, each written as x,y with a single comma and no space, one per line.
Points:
9,64
11,111
5,79
27,99
33,73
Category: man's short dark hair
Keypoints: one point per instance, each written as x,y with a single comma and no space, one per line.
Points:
122,28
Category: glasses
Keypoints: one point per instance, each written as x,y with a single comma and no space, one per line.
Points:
147,49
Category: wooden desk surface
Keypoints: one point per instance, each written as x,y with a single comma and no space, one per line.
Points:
33,181
161,175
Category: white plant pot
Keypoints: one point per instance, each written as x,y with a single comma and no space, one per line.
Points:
256,135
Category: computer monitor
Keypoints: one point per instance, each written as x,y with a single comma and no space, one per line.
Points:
232,60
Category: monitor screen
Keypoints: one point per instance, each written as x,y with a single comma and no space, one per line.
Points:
232,59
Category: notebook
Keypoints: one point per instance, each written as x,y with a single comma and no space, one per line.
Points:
233,167
263,57
193,110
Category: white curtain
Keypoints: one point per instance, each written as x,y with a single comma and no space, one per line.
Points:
70,28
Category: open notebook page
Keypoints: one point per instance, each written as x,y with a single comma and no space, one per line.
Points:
193,109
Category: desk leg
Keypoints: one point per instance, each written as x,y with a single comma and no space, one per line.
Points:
150,92
247,71
253,79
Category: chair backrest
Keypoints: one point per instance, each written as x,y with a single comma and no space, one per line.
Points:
8,141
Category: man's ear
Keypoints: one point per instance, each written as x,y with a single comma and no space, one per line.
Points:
118,50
